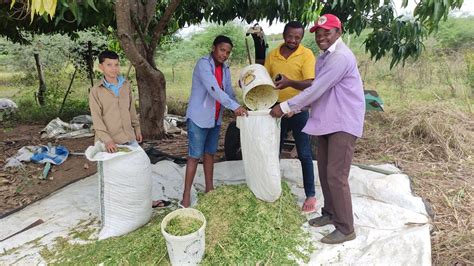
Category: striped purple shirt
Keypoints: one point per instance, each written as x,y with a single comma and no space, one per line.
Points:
336,95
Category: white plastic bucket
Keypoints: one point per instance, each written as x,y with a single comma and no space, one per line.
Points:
188,249
257,85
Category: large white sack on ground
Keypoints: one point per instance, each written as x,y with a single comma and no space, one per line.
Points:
260,141
124,189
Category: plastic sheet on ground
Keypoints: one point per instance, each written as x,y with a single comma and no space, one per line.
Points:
38,154
7,104
7,107
391,224
172,124
79,128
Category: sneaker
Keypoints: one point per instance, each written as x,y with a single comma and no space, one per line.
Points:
336,237
320,221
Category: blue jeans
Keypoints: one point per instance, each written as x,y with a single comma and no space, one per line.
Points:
303,147
201,140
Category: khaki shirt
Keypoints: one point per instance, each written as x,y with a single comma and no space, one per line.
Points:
114,117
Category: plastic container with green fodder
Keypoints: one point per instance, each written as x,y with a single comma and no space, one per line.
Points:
184,232
258,89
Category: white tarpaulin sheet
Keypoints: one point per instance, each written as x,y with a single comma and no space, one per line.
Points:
391,224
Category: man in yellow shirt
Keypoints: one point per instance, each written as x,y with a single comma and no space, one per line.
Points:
291,65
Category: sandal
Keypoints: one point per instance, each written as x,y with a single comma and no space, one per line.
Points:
160,204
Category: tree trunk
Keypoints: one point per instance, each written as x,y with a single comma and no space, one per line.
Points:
133,20
151,89
42,85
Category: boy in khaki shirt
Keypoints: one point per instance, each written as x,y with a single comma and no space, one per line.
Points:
112,106
113,110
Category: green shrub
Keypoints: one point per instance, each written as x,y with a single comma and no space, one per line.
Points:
30,111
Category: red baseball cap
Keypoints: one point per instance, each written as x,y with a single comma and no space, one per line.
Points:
327,22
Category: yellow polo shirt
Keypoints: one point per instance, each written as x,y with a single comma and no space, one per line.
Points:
298,66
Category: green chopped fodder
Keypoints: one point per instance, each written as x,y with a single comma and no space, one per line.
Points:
123,149
183,225
241,229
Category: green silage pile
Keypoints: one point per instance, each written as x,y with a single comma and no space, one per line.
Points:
240,229
181,226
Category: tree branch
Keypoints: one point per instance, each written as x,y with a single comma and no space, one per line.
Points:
140,33
124,33
164,20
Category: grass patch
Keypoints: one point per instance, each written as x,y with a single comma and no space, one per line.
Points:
240,229
30,111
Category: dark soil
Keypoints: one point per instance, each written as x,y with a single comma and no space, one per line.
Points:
20,187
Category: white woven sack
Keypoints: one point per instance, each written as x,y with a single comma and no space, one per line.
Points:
124,189
260,140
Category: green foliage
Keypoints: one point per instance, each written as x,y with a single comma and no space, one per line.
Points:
53,51
240,229
456,33
56,51
70,17
79,49
177,50
309,42
29,111
401,37
202,41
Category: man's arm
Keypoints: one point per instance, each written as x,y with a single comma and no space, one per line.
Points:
332,73
207,78
284,82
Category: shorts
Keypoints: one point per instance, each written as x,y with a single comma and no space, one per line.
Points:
202,140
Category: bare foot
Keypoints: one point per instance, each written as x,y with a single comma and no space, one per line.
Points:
309,205
186,201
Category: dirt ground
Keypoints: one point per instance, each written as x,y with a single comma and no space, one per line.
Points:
23,186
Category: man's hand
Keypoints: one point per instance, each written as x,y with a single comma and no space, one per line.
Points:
282,82
290,114
241,111
111,147
276,111
139,138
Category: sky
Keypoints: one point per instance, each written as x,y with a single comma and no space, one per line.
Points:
467,8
